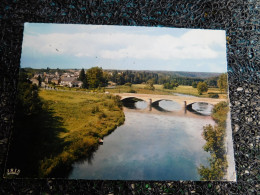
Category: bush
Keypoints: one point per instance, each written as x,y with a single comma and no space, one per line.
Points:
111,106
102,115
202,87
213,95
95,109
128,84
131,91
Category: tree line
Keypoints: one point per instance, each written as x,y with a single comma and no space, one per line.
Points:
161,78
222,84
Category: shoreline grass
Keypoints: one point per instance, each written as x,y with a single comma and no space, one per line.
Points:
86,118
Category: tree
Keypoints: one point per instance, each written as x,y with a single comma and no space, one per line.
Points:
39,78
95,78
28,101
202,87
170,85
222,82
83,78
194,84
149,84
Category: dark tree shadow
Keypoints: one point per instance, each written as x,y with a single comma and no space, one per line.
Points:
34,139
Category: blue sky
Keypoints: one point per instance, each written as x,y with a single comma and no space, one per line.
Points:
123,47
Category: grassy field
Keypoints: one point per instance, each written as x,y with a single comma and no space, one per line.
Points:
86,117
189,90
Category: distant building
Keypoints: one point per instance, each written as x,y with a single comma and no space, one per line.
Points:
55,81
46,79
43,84
35,81
77,83
67,81
111,83
37,75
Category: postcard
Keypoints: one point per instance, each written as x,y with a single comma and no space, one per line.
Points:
105,102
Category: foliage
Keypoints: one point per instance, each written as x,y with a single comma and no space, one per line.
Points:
161,77
95,78
202,87
219,112
131,91
28,101
213,96
83,78
212,82
128,84
170,85
149,85
194,84
39,78
215,137
66,128
222,82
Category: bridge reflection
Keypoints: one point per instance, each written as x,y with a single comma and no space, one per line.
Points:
157,109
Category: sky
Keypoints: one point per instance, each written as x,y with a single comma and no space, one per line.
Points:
69,46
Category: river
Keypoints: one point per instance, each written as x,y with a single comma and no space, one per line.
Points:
155,143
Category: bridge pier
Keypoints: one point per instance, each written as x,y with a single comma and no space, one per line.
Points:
185,107
150,104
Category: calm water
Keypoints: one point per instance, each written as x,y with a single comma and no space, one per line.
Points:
162,143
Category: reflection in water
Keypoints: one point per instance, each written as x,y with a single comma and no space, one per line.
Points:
202,108
141,104
134,103
169,105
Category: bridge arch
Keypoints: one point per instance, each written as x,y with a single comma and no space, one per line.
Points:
133,99
190,103
156,103
203,108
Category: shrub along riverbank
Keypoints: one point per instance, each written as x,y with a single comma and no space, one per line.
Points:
66,128
215,144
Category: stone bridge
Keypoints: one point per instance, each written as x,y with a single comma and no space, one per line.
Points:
183,100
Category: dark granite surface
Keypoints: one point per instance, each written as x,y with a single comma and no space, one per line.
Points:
239,18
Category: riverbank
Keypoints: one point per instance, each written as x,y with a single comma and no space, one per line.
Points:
65,129
215,137
85,118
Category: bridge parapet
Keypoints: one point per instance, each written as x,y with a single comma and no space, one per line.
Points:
151,98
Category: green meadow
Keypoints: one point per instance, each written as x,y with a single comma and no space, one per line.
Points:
86,117
65,127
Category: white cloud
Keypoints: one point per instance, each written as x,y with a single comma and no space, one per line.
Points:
194,44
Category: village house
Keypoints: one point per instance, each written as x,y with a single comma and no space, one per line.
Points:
56,81
111,85
77,83
67,81
35,81
37,75
43,84
48,78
